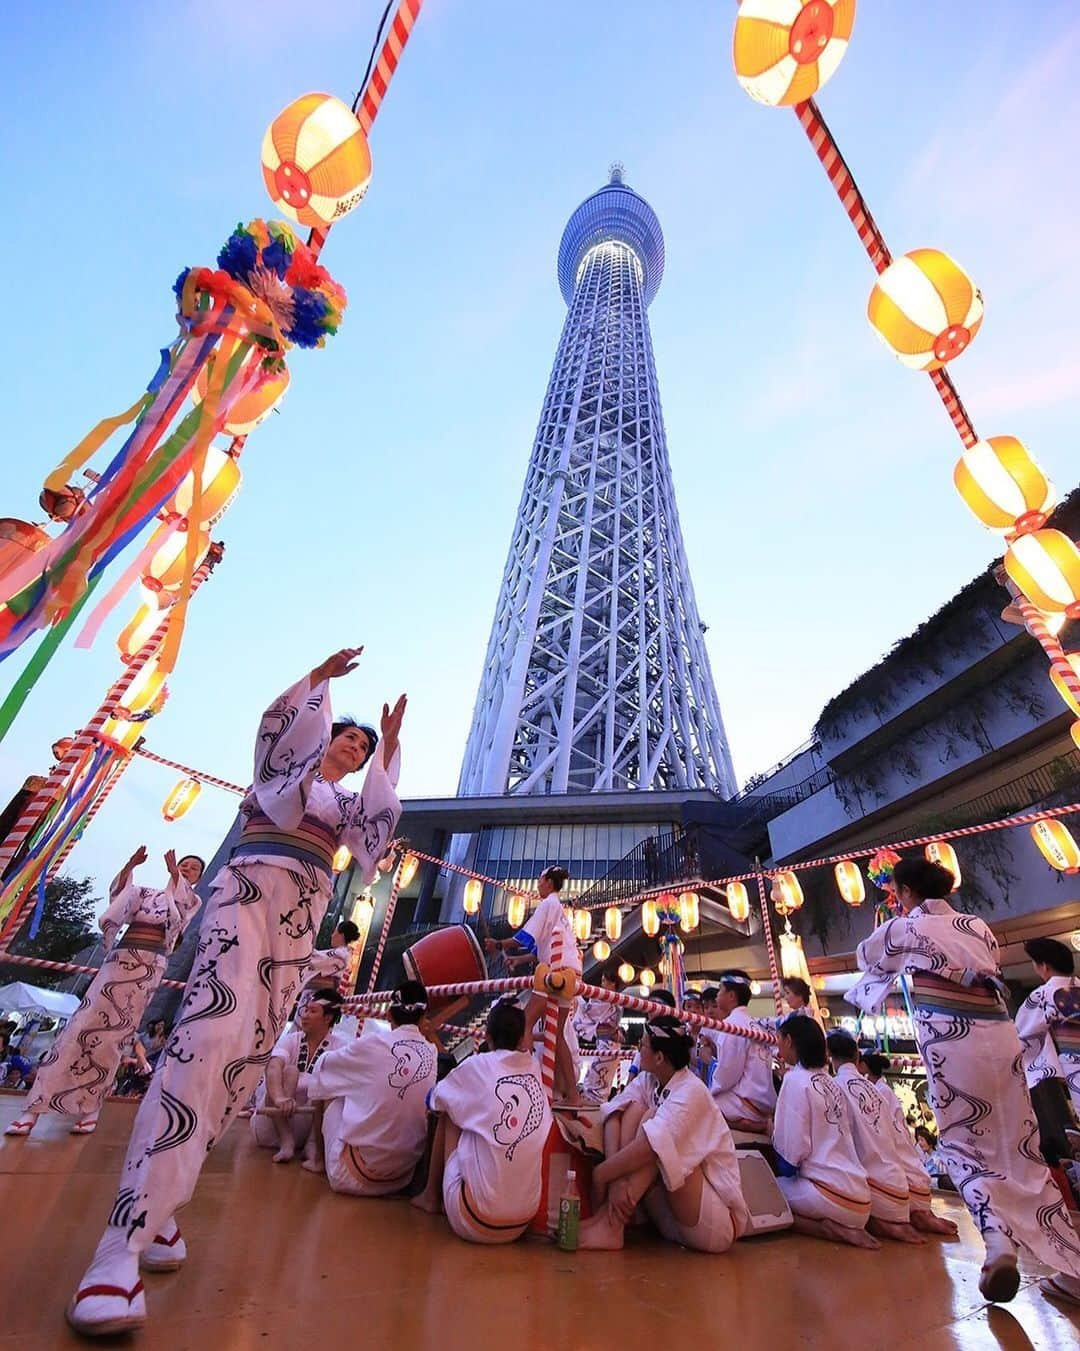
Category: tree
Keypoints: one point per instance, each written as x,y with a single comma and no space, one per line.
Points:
67,926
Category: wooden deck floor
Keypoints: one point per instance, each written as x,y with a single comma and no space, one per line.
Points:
278,1261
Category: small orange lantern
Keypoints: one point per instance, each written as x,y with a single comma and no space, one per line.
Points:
849,881
1045,567
315,160
940,851
166,569
786,893
650,918
220,483
626,973
409,870
515,912
1073,658
647,977
342,859
613,923
1003,486
1057,845
474,894
738,900
784,52
181,799
926,308
601,949
689,911
582,925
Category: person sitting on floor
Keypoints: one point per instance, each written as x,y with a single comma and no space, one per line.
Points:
667,1146
742,1084
820,1172
370,1100
285,1084
486,1158
890,1201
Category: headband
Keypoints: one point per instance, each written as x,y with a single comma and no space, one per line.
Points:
661,1033
396,1002
734,978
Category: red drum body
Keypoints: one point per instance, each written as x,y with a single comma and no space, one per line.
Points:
445,957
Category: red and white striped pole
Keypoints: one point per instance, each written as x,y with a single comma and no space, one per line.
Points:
116,773
384,932
766,928
551,1023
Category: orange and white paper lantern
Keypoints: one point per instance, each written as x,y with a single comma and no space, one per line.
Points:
181,799
1057,845
1003,486
738,900
785,50
926,309
315,160
1045,567
850,883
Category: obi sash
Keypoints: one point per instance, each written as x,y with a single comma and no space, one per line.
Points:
1066,1037
935,994
147,937
312,841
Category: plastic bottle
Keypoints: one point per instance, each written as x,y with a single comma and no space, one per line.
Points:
569,1214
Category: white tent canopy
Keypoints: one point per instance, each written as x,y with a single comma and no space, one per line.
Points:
18,997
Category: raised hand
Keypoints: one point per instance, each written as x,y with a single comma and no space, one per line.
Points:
337,664
170,863
390,728
139,856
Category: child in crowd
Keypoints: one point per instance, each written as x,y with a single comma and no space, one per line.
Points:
742,1084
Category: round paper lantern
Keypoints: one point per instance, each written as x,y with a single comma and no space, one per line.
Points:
515,912
220,483
181,799
1073,658
134,637
1045,567
342,859
1003,486
689,911
650,918
785,50
601,949
926,308
626,973
940,851
250,409
786,893
166,569
315,160
1074,732
1057,845
582,925
613,923
738,900
121,731
849,881
474,894
647,977
408,871
145,688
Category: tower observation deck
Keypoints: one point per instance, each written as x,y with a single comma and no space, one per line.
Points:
596,676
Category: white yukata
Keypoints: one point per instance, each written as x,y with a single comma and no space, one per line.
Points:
375,1123
291,1051
254,948
492,1181
596,1020
742,1082
548,936
686,1131
82,1063
872,1129
813,1134
969,1044
912,1162
1048,1024
601,1068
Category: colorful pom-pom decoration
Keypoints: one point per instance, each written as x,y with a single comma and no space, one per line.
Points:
926,309
880,868
1045,567
315,161
785,50
1003,486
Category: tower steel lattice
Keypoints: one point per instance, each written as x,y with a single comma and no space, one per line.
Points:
596,676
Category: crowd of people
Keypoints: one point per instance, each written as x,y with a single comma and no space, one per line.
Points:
383,1113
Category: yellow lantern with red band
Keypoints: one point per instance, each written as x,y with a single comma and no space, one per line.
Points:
613,923
145,688
1003,486
135,635
165,571
315,160
122,732
582,925
849,882
650,918
1057,845
647,977
738,901
409,870
601,949
181,799
785,50
250,409
474,894
1045,567
1067,696
940,851
787,894
515,912
926,308
689,911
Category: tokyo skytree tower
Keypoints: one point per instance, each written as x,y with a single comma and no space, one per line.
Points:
596,676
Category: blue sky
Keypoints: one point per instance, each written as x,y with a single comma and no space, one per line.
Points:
813,472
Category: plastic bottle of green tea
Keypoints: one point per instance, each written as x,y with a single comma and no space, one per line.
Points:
569,1214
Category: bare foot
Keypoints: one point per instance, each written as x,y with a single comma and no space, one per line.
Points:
313,1163
601,1233
285,1154
899,1233
846,1233
929,1223
429,1204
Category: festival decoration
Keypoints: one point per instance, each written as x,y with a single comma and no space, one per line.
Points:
738,901
792,957
1074,732
1057,845
342,859
1003,486
926,308
1067,696
18,541
144,690
849,882
1045,567
689,912
627,973
181,799
601,949
647,977
220,482
786,893
315,160
582,923
938,851
250,410
134,635
172,544
650,918
880,872
409,868
515,911
613,923
473,895
785,50
62,504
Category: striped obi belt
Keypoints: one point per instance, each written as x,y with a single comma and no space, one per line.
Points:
312,841
935,994
146,937
1066,1037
